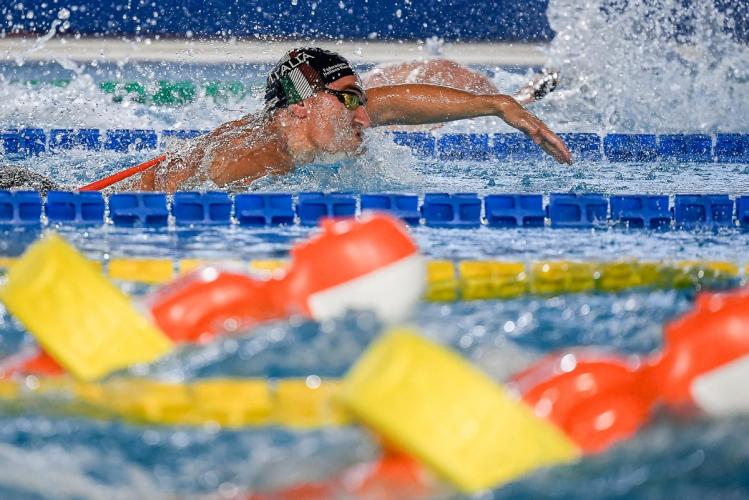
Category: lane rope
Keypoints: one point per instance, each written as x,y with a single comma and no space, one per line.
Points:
449,281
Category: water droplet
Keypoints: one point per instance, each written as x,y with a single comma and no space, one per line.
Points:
313,382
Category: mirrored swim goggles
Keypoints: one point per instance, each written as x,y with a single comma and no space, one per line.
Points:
350,98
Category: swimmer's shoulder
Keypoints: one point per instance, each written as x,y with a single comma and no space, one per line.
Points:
248,123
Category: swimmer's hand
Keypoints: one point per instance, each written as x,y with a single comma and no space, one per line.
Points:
520,118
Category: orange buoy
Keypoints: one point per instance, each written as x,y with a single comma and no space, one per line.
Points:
595,398
599,399
208,301
705,360
32,362
371,264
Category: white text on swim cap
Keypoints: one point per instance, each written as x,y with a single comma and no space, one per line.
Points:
289,65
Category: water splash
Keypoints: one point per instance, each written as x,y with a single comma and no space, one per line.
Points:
646,66
381,166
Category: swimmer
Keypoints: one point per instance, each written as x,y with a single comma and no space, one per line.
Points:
451,74
316,106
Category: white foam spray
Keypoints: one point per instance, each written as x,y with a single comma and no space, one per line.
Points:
646,66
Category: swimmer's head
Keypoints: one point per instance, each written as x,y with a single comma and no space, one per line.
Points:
301,73
322,88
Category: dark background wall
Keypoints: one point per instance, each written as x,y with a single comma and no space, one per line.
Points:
453,20
347,19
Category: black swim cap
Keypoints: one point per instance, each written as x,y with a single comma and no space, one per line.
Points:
301,73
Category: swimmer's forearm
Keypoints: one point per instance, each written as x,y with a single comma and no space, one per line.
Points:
417,104
420,104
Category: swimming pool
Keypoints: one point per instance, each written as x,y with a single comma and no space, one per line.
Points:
93,457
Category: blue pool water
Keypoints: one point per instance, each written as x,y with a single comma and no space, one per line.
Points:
88,457
698,458
664,92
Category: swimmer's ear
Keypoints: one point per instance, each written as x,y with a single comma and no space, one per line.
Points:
299,110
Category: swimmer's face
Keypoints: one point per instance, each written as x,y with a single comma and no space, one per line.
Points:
332,127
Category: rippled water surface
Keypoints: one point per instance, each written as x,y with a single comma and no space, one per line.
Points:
625,68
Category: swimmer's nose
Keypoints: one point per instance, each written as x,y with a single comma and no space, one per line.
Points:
361,117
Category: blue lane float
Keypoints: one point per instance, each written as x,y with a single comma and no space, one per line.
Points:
720,148
511,147
630,147
124,140
742,211
422,144
463,147
311,207
679,147
514,210
264,209
21,208
641,211
732,148
583,146
211,208
695,210
459,210
65,139
403,206
24,142
139,209
578,210
74,208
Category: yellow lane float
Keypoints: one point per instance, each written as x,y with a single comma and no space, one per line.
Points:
430,403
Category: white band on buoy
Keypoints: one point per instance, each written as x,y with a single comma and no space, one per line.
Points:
390,292
722,391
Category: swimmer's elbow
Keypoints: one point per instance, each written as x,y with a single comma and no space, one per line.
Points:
504,104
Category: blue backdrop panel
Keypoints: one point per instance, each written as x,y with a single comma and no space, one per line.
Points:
495,20
504,20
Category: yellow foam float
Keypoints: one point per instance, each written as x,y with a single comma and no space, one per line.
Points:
430,403
86,323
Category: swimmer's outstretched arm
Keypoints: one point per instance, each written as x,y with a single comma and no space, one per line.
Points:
416,104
